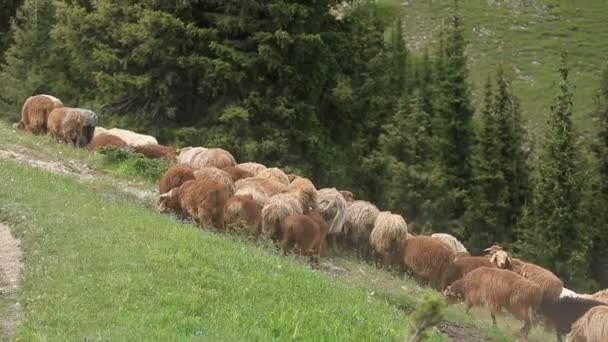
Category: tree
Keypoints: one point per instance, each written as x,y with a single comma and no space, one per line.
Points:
554,233
8,9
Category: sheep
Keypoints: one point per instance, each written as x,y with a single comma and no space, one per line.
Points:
317,216
348,196
387,237
452,242
99,130
156,151
568,293
253,168
427,258
65,124
201,199
269,186
592,327
258,195
278,207
305,233
35,113
332,206
602,296
243,212
132,138
274,174
358,225
552,286
101,140
215,174
561,313
464,265
237,173
88,130
213,157
174,177
498,289
187,155
305,191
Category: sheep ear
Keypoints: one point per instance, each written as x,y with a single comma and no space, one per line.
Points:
509,259
492,258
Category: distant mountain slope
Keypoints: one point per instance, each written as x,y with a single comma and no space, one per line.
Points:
525,35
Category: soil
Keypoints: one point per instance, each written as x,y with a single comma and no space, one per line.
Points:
461,333
11,258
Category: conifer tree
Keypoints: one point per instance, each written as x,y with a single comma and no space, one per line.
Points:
554,233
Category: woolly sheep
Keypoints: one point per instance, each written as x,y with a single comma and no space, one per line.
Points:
35,113
348,196
132,138
561,313
101,140
592,327
358,225
464,265
65,124
278,208
99,130
242,212
303,232
253,168
213,157
602,296
88,129
237,173
452,242
268,186
498,289
215,174
274,174
258,195
175,176
332,206
187,155
387,236
305,191
156,151
427,258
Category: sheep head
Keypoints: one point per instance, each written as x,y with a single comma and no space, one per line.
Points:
167,201
501,259
452,296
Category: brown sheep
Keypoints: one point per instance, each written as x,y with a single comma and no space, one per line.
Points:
268,186
317,216
465,264
187,155
498,289
592,327
174,177
201,199
213,157
65,124
103,139
35,113
275,174
156,151
258,195
387,237
215,174
278,208
303,232
237,173
428,259
552,286
253,168
305,191
602,296
243,212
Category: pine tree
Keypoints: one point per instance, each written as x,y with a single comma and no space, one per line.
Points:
555,234
8,10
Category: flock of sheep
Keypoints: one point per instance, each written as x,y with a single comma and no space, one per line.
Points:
209,186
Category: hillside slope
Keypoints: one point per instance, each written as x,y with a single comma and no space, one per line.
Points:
526,37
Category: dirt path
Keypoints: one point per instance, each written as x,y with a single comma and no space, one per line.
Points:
11,258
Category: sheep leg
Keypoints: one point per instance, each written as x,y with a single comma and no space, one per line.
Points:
525,330
468,309
493,318
558,335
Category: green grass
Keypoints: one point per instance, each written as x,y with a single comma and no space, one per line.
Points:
103,263
527,40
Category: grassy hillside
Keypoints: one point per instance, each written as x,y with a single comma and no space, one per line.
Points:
526,37
102,263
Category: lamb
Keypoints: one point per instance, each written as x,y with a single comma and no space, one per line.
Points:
132,138
304,232
88,130
215,174
35,113
561,313
174,177
156,151
274,174
237,173
65,124
332,206
456,246
253,168
213,157
552,286
358,225
464,265
388,236
278,208
101,140
592,327
201,199
187,155
242,212
305,191
427,258
498,289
